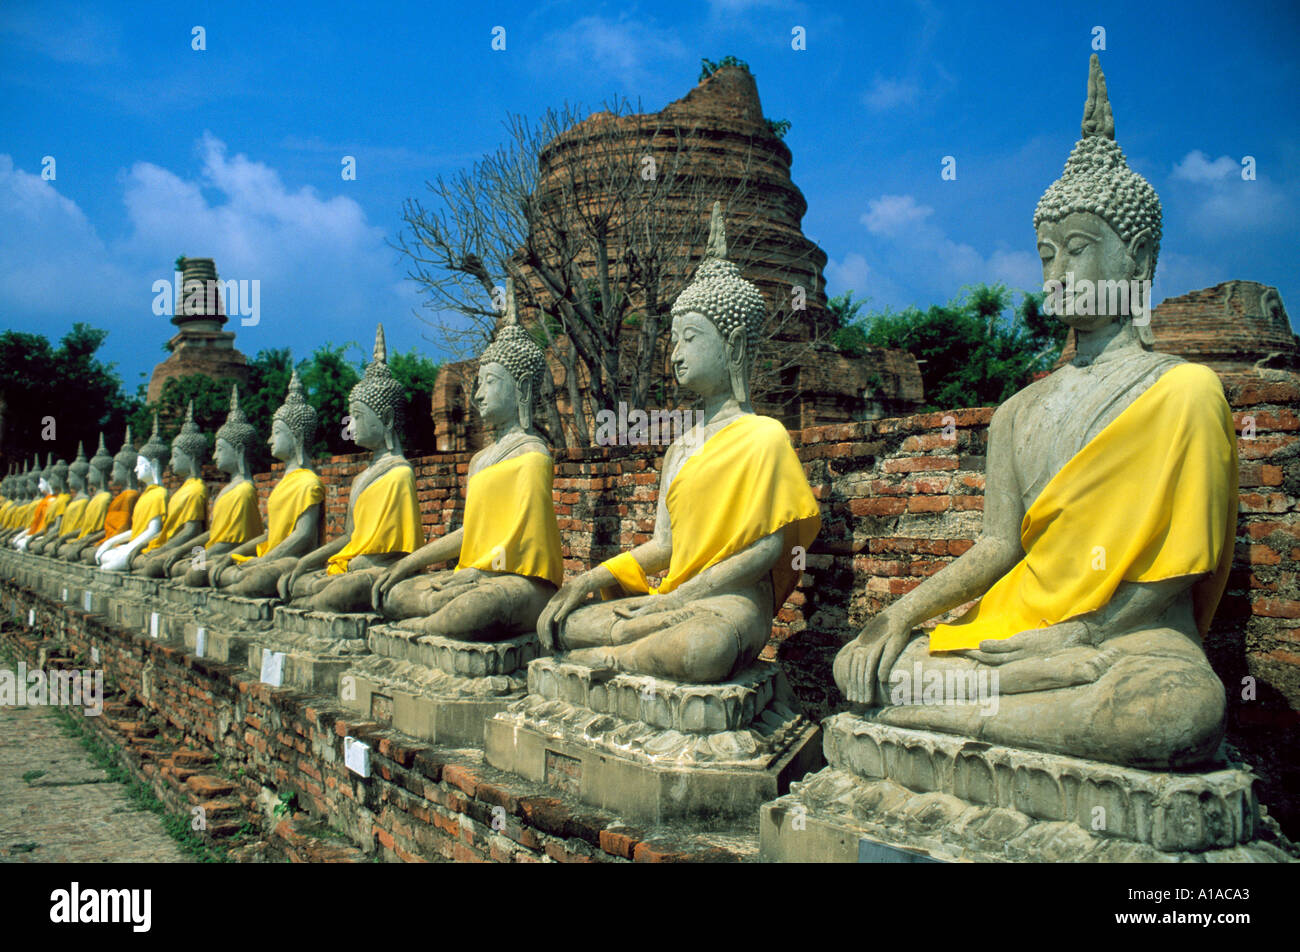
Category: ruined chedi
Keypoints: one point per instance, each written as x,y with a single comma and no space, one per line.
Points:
199,347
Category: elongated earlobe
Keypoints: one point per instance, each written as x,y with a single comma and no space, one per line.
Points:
737,359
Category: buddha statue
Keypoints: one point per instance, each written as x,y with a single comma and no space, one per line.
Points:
235,517
383,519
507,553
1104,551
121,508
53,485
187,509
115,553
91,523
735,511
294,510
20,514
66,526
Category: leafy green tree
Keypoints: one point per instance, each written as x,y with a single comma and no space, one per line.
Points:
416,373
65,392
211,398
328,377
975,351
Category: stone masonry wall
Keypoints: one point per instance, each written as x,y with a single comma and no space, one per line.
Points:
903,497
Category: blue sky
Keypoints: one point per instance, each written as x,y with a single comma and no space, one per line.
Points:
234,152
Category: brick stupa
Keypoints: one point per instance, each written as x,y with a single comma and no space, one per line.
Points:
199,347
730,139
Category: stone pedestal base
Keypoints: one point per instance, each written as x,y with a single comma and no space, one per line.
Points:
230,623
318,647
897,795
438,689
652,749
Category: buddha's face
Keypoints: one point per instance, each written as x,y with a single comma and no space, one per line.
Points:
95,478
43,485
699,355
76,481
1083,245
496,397
282,442
143,468
368,430
182,462
226,456
121,475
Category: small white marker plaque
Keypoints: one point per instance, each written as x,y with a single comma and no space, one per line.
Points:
31,617
94,654
200,641
85,599
153,624
356,755
65,595
273,668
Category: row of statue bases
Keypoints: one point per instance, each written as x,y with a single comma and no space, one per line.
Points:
1058,658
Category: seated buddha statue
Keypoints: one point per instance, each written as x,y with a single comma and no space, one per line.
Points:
187,508
294,510
53,483
235,517
26,498
114,554
65,527
121,508
383,519
507,553
1109,518
91,522
735,512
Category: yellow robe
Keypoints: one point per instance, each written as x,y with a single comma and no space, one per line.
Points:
385,518
745,483
40,516
151,502
93,519
293,495
189,503
234,515
6,513
23,515
1153,496
72,516
510,521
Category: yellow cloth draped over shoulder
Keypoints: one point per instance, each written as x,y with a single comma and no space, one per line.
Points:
96,509
189,503
72,516
234,516
42,514
23,515
510,521
293,495
744,483
1153,496
151,502
385,518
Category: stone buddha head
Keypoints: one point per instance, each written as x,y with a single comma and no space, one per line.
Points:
717,323
375,403
510,372
101,467
1099,222
293,425
79,470
234,440
45,475
58,476
152,457
125,463
189,447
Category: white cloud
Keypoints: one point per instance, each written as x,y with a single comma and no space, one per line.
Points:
1197,167
1218,201
326,273
887,94
631,50
889,215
